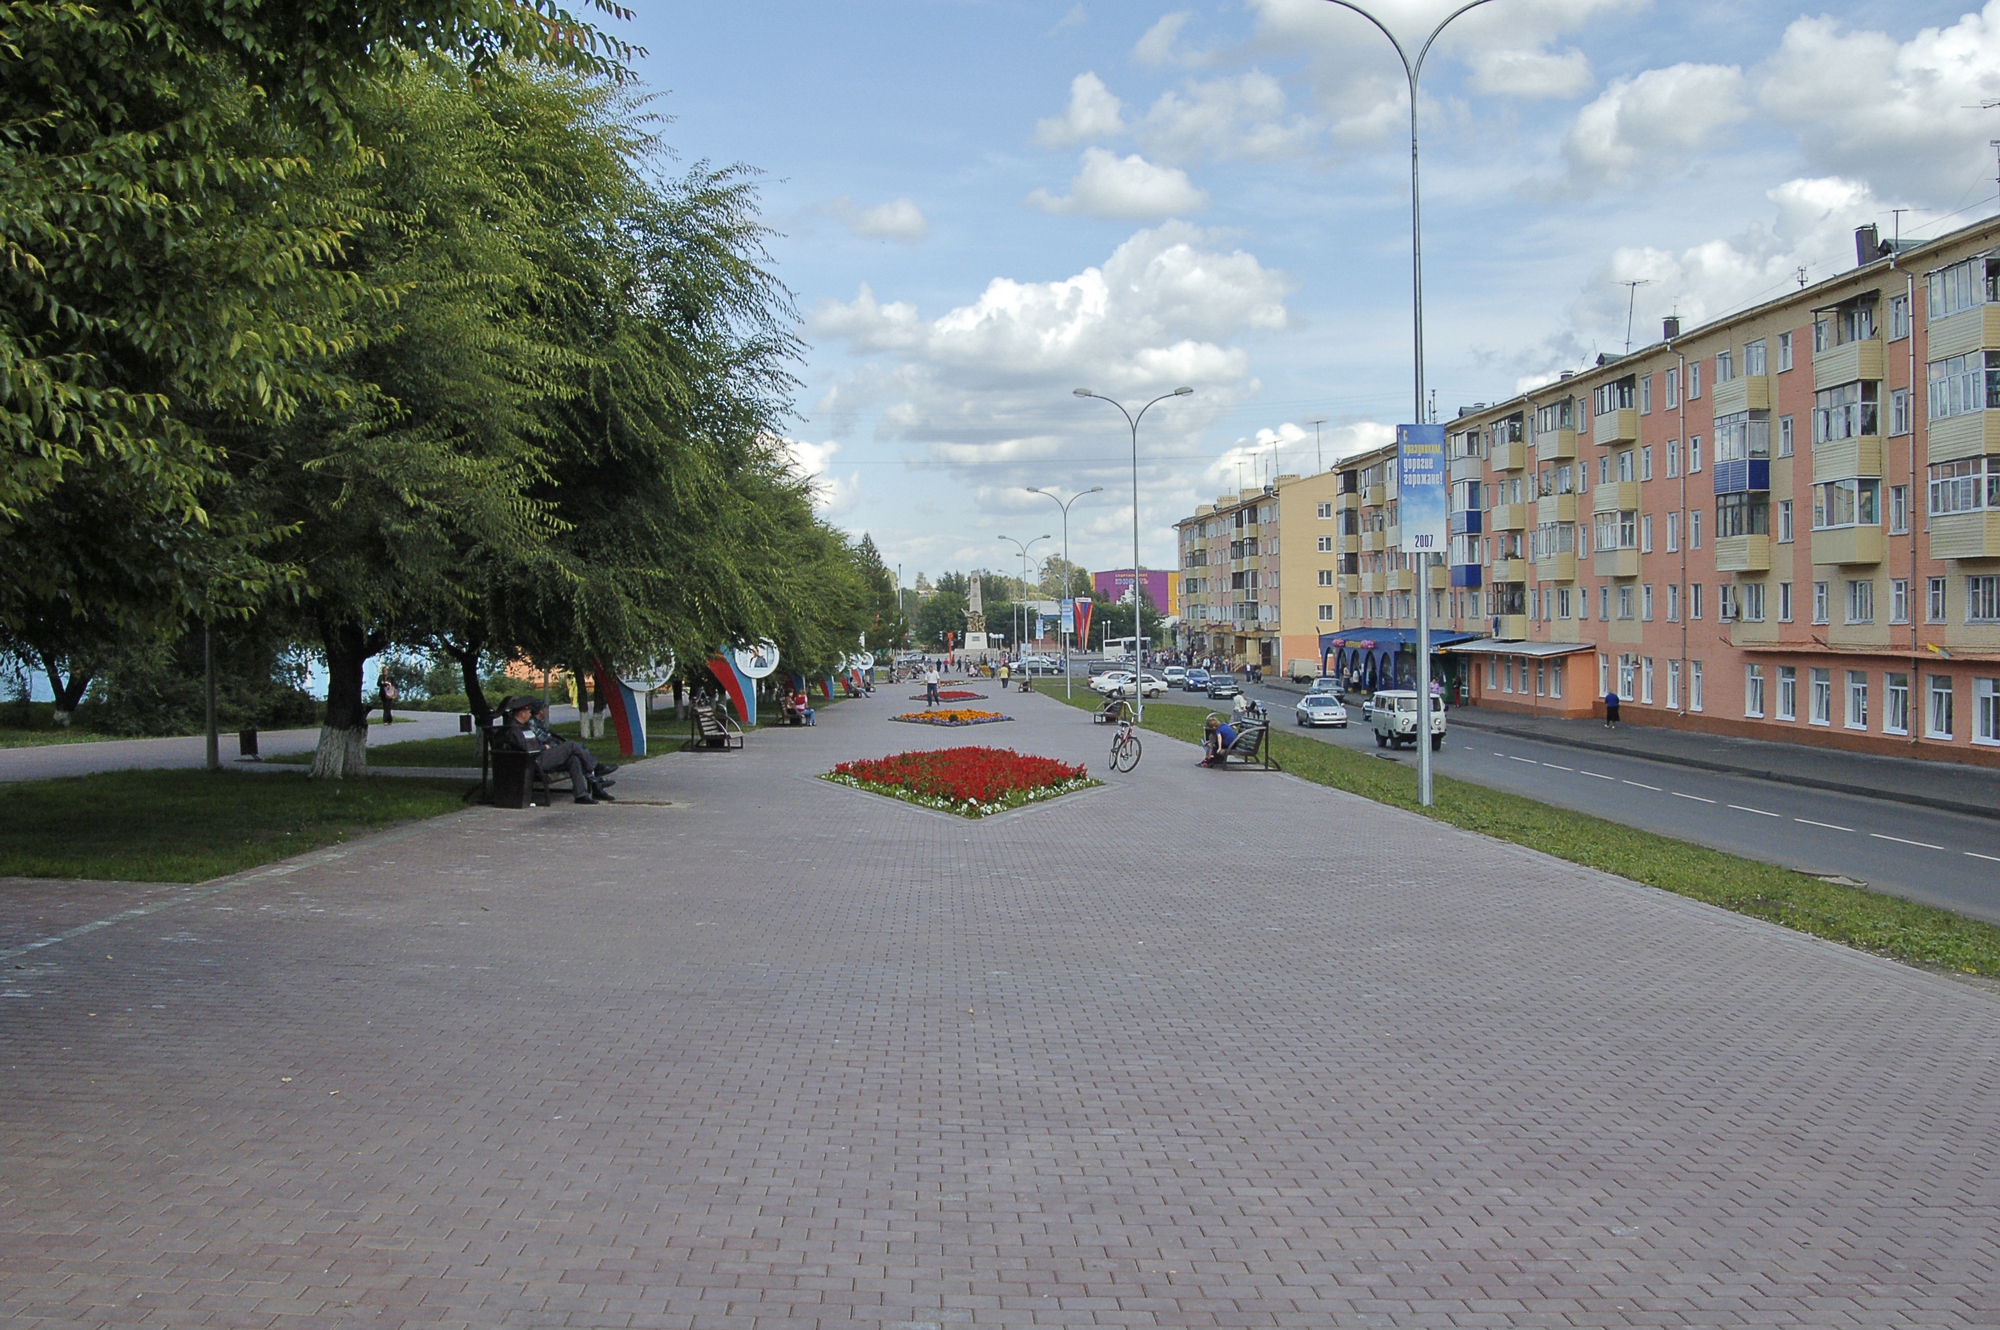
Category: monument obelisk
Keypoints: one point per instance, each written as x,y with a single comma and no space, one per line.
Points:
975,617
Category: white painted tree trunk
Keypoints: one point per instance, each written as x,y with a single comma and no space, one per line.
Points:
61,717
342,753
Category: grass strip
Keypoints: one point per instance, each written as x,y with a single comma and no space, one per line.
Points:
462,750
190,825
1866,920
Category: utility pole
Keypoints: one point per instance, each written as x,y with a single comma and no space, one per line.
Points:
1631,305
1319,454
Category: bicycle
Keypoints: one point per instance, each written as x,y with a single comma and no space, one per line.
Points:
1125,750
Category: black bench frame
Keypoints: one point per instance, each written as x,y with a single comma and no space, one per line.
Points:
1251,751
710,729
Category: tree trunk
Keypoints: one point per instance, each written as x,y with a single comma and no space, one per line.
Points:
467,657
68,692
343,737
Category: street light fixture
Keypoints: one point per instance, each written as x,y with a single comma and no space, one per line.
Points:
1065,592
1138,607
1020,633
1412,70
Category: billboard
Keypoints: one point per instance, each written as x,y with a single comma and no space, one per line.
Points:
1421,472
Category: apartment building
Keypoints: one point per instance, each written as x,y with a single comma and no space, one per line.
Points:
1783,524
1257,575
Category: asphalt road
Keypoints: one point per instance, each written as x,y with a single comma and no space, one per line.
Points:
1939,858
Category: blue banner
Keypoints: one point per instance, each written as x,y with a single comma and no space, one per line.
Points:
1422,490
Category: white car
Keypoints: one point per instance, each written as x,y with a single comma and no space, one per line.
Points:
1151,685
1321,709
1394,714
1110,681
1174,675
1326,683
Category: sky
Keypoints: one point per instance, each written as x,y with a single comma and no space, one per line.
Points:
982,205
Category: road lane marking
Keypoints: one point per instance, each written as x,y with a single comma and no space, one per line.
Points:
1828,825
1641,785
1921,844
1593,773
1697,798
1987,857
1555,767
1529,760
1758,811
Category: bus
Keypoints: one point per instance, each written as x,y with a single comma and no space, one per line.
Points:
1119,648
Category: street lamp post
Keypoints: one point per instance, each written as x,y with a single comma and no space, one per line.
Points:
1138,607
1412,70
1064,593
1020,633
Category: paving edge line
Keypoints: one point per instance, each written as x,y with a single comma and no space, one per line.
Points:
1735,769
214,886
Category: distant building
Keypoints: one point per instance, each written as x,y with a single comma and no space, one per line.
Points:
1114,586
1256,575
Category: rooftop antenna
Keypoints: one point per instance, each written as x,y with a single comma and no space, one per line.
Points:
1631,304
1802,277
1319,457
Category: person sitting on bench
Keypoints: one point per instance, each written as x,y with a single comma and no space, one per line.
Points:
587,775
1216,741
799,708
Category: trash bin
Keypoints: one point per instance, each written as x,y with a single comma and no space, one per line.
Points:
246,745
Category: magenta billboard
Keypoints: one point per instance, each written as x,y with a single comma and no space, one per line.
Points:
1115,585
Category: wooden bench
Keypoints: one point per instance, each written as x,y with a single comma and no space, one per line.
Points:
710,728
517,780
1252,749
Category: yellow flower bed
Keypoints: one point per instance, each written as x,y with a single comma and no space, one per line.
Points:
950,716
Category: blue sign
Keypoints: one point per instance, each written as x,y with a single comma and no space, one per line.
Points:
1422,491
1069,616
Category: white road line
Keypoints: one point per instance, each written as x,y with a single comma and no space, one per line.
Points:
1555,767
1987,857
1593,773
1758,811
1920,844
1828,825
1529,760
1641,785
1697,798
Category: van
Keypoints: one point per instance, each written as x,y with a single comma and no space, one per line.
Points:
1394,715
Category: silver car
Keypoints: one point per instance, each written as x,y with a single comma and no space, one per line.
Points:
1321,709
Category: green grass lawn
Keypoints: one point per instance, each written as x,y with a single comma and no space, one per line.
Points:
462,750
1871,921
192,825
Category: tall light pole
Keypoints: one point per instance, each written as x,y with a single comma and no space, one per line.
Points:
1412,70
1138,606
1020,635
1064,593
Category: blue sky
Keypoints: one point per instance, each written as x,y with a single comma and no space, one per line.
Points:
982,205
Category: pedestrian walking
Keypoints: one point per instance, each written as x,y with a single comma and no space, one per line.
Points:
1611,710
387,687
931,686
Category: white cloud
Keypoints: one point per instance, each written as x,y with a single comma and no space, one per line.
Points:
1225,120
1902,116
899,219
1292,449
1093,113
1076,18
1531,74
832,494
1129,188
1157,46
1650,123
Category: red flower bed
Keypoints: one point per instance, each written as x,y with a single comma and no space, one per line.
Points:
982,776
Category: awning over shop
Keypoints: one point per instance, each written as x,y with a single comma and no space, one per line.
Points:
1383,639
1489,646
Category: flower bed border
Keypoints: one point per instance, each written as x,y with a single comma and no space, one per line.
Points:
968,809
940,718
961,695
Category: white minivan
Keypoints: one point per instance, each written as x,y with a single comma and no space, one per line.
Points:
1394,714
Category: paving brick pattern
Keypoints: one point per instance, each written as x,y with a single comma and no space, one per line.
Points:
1196,1049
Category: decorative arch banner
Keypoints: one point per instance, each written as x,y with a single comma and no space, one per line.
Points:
742,690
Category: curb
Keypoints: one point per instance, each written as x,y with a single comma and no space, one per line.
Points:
1986,811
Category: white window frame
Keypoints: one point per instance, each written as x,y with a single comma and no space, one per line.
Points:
1895,702
1753,691
1819,696
1857,700
1788,692
1940,705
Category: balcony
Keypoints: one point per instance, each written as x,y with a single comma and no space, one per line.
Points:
1556,568
1347,544
1440,577
1848,545
1405,580
1558,445
1966,536
1466,574
1555,508
1618,497
1753,632
1374,496
1743,475
1615,427
1372,541
1509,517
1509,456
1511,627
1747,392
1371,583
1742,554
1467,468
1509,570
1844,459
1847,362
1615,563
1348,582
1974,434
1975,329
1343,502
1469,523
1394,537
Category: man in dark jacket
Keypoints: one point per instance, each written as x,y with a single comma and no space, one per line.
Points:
587,775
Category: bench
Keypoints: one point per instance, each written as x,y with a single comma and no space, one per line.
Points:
517,780
1113,711
711,728
1252,749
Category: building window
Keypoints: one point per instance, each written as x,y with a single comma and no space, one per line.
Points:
1899,411
1646,396
1725,369
1646,681
1754,358
1625,465
1822,698
1966,486
1646,602
1625,602
1937,716
1786,436
1788,692
1673,532
1673,386
1753,601
1899,317
1742,515
1784,521
1326,511
1604,602
1674,684
1646,534
1673,457
1982,599
1819,602
1899,600
1784,352
1326,614
1694,530
1753,691
1673,602
1895,704
1784,602
1857,699
1556,679
1694,685
1694,600
1959,287
1934,601
1694,380
1861,601
1986,711
1628,669
1847,411
1694,453
1845,503
1603,674
1964,384
1326,577
1326,544
1899,510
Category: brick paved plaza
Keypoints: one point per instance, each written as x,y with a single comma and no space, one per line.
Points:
1193,1049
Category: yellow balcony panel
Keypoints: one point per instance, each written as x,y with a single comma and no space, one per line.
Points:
1615,563
1557,445
1742,554
1350,582
1965,536
1467,468
1374,496
1974,434
1847,362
1509,456
1510,517
1372,541
1394,537
1748,633
1975,329
1844,459
1342,502
1371,583
1511,627
1615,427
1848,545
1347,544
1556,568
1440,577
1555,508
1746,392
1619,497
1508,570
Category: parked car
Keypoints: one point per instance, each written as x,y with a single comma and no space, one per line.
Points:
1174,674
1110,681
1394,716
1223,685
1196,681
1321,709
1042,664
1326,683
1150,685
